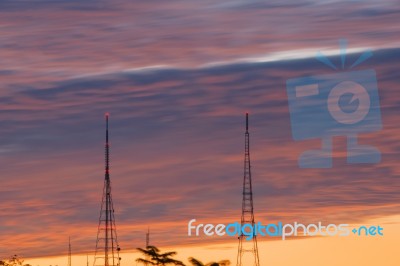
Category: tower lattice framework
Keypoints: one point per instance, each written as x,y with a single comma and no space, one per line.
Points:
248,249
107,248
69,252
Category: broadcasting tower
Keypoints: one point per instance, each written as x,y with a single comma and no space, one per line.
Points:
247,250
107,248
69,252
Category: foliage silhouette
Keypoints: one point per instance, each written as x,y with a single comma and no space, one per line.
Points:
13,261
196,262
155,257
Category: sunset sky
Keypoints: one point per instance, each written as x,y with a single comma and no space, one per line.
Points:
177,78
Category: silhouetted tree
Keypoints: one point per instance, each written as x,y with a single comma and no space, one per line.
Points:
155,257
196,262
13,261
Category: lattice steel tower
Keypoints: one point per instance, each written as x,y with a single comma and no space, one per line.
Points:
107,248
69,252
148,237
247,250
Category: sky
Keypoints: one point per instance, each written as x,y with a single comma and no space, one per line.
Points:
177,78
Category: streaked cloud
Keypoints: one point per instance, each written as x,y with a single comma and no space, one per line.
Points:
177,144
177,78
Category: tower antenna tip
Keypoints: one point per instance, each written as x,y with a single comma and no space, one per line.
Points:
107,114
247,121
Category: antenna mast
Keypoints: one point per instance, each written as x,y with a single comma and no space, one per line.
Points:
107,248
247,250
69,252
148,237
